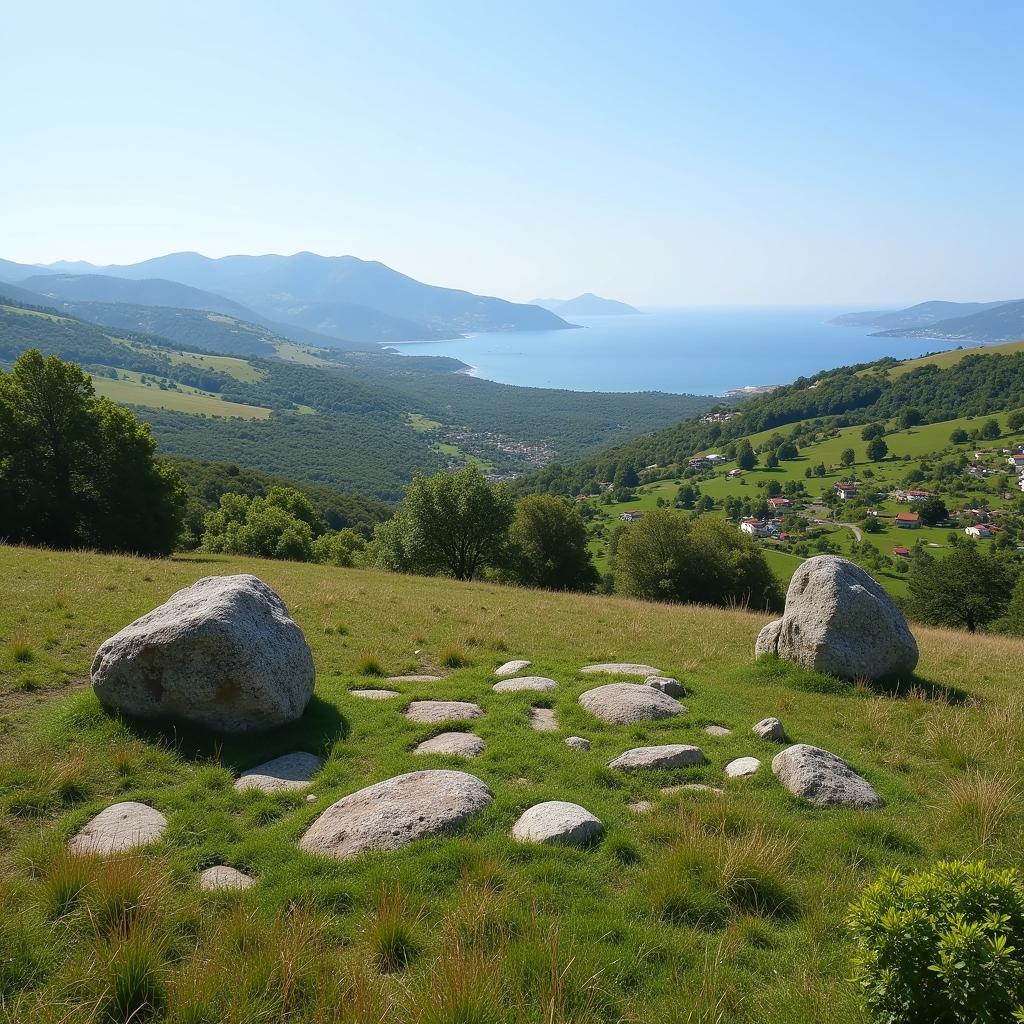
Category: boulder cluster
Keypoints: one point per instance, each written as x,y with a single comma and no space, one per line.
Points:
225,654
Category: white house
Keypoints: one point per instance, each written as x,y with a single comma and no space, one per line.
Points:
978,530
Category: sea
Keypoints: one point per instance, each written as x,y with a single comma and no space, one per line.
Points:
702,351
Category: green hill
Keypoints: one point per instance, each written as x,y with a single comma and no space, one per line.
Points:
694,905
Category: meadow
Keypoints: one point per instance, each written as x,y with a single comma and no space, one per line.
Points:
700,908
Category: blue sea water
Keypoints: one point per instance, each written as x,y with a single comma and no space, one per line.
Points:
703,351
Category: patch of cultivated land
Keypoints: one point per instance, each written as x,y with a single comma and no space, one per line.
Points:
183,399
694,905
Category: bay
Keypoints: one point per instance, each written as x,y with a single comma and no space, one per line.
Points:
705,351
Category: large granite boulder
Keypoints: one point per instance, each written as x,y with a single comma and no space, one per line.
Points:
395,812
623,703
839,620
557,823
823,779
223,653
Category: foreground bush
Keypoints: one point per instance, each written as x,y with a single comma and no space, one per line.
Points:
944,946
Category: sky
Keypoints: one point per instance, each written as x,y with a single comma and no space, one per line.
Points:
664,153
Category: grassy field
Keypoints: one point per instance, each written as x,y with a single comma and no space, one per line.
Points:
705,909
953,356
185,399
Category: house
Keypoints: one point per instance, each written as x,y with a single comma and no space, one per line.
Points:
846,490
777,503
908,520
901,552
917,495
978,530
733,473
700,464
1017,461
752,526
630,517
714,458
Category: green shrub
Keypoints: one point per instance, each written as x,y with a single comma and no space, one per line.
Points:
941,946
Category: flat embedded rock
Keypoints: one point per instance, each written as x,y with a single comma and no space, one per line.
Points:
717,730
510,668
120,827
374,694
770,729
823,779
577,743
543,720
622,668
455,744
742,766
525,683
415,679
666,684
840,620
668,755
640,807
223,877
287,772
223,653
557,823
427,711
393,813
695,787
622,703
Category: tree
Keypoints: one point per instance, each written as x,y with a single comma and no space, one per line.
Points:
787,451
848,458
668,557
77,470
745,457
1013,620
959,436
990,430
877,449
450,524
549,541
910,417
965,590
932,511
1015,421
280,525
626,477
343,548
687,495
771,461
871,431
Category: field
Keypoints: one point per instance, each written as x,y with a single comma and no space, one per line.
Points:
185,399
706,908
953,356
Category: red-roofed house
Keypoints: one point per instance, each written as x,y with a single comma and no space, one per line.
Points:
901,552
778,503
908,520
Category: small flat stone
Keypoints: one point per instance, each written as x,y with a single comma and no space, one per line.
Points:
525,683
374,694
426,711
717,730
622,668
668,755
696,787
624,703
666,684
415,679
455,744
557,822
770,729
290,771
312,798
120,827
640,807
742,766
510,668
577,743
223,877
543,720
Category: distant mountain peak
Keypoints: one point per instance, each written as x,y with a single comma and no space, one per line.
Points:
587,304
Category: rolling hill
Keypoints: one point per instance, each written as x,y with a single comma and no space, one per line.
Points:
587,304
924,314
1002,322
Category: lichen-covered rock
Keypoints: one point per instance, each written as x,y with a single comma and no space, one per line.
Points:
428,711
622,668
577,743
510,668
374,694
666,684
454,744
287,772
557,822
823,779
742,766
415,678
120,827
525,683
543,720
770,729
622,703
221,876
839,620
717,730
396,812
668,755
223,653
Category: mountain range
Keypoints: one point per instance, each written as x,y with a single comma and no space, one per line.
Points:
945,321
341,297
587,304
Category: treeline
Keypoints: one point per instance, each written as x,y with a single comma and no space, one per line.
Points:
976,385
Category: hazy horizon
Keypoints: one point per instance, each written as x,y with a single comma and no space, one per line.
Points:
672,155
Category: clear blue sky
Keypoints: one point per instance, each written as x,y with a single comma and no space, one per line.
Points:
663,153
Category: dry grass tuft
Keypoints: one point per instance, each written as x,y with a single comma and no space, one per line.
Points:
984,800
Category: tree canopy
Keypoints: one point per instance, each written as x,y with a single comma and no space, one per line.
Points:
549,545
965,590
